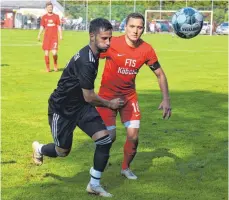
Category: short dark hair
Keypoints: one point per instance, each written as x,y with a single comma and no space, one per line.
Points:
99,24
136,16
49,3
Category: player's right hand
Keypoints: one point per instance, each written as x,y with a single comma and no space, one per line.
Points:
116,103
38,38
167,110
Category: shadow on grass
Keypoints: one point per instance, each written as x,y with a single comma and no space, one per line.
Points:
60,69
9,162
4,65
184,157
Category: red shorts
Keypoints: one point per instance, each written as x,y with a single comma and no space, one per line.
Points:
130,111
50,44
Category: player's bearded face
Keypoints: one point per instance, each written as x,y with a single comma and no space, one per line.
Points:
102,40
49,8
134,29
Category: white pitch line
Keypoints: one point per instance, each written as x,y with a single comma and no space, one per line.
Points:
170,50
19,45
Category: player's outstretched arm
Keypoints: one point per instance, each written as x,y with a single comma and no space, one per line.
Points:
163,83
91,97
39,34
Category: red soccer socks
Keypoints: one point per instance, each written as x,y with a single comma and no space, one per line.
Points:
130,150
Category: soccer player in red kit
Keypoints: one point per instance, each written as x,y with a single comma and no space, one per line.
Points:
126,55
50,23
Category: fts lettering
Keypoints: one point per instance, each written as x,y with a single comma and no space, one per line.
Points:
130,63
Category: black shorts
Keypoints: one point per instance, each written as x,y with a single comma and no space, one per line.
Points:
62,128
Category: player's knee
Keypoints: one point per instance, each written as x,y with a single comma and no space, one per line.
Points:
132,129
46,52
62,152
112,134
113,138
54,52
132,137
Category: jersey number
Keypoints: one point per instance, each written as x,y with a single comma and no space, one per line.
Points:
54,45
136,107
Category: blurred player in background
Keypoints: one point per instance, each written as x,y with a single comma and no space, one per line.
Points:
50,23
126,55
152,26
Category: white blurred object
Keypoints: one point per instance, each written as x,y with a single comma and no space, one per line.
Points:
223,29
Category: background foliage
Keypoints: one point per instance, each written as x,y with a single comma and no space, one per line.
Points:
120,9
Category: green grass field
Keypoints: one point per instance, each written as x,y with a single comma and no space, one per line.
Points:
184,158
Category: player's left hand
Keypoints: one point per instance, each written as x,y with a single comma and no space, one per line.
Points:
167,110
61,37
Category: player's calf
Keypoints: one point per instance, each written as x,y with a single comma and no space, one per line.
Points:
102,152
101,157
47,63
55,62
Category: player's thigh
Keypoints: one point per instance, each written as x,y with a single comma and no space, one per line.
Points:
130,113
108,116
91,123
62,130
46,48
50,44
46,44
132,133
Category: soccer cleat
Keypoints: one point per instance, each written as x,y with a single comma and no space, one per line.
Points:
55,68
47,69
128,174
37,157
97,190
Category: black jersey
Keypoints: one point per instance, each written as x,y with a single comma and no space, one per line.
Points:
81,71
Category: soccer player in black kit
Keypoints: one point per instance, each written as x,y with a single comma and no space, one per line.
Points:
73,104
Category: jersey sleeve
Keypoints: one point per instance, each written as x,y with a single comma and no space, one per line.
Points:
151,57
87,76
42,21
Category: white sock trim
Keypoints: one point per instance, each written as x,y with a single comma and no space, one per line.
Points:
39,148
95,173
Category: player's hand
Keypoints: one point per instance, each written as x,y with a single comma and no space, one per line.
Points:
116,103
61,37
38,37
165,106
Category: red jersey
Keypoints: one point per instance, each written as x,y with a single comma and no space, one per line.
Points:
50,24
122,65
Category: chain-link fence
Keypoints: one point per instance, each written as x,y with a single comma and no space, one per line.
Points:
76,15
116,11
